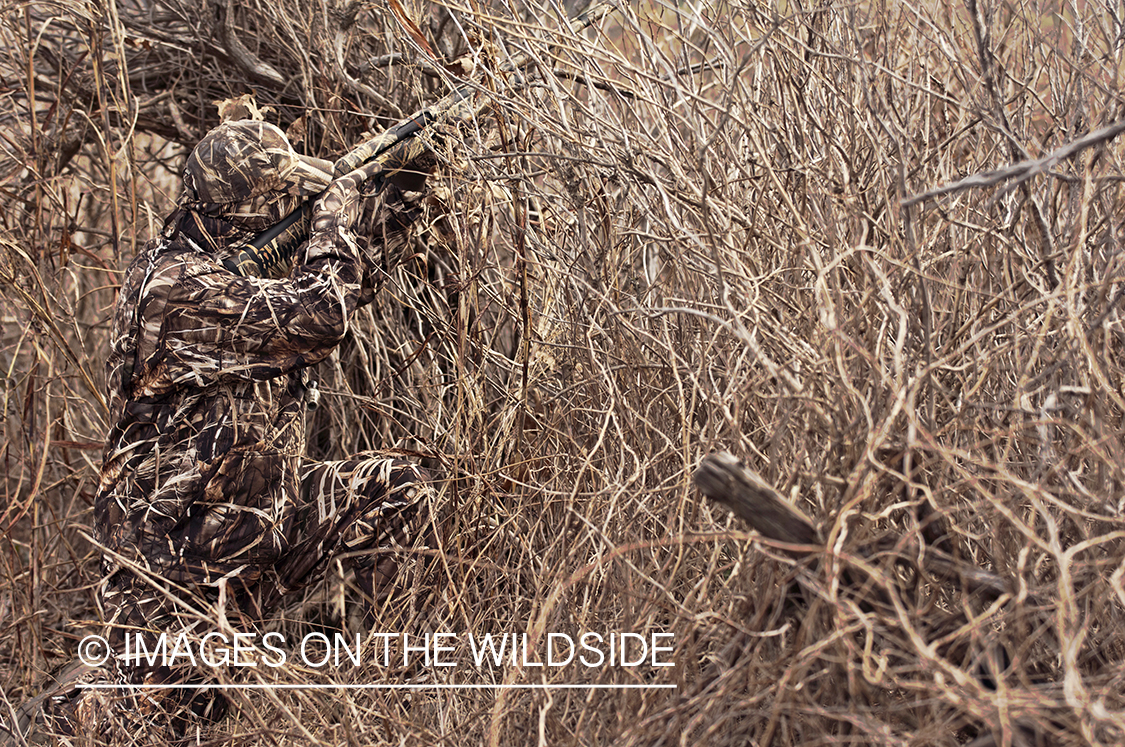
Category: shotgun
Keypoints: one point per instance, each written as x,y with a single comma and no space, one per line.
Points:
393,150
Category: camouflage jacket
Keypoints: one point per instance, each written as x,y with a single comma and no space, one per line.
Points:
200,469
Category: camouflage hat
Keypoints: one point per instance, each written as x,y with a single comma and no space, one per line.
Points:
238,161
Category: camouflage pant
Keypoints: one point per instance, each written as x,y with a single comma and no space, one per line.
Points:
357,511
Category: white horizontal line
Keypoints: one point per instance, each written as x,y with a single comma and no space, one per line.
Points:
341,686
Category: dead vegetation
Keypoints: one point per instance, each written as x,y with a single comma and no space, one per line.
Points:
688,229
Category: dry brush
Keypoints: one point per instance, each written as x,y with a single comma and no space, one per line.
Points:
684,230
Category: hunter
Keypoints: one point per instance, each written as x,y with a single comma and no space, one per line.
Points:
207,500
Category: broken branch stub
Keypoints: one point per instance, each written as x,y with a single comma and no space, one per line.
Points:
722,478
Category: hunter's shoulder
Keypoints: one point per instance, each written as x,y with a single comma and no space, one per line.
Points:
165,262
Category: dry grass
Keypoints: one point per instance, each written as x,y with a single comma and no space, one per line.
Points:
688,237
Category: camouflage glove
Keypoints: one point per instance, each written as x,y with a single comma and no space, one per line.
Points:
373,210
340,204
384,228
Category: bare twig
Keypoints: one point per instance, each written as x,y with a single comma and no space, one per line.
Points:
1024,170
722,478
